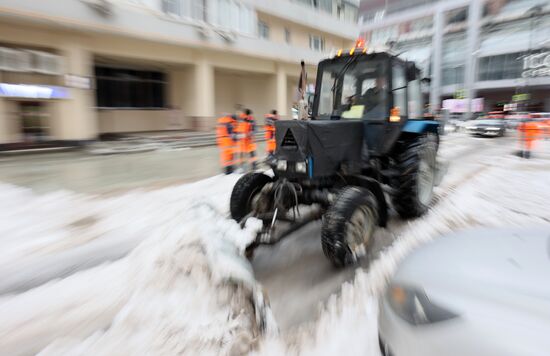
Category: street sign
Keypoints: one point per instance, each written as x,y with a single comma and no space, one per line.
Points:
521,97
460,94
78,82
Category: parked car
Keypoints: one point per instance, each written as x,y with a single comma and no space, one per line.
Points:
481,292
486,127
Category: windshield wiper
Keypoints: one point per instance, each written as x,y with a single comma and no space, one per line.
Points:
343,71
339,76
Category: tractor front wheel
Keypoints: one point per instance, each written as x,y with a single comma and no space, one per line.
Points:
348,226
244,191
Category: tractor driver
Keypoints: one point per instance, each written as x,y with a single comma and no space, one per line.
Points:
375,95
373,99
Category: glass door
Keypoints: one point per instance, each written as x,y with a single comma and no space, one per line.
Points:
34,121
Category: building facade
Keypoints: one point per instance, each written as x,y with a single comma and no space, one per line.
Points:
495,51
71,70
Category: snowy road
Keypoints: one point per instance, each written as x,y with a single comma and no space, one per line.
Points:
297,275
154,271
486,186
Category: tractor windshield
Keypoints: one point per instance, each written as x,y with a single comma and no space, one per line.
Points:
353,89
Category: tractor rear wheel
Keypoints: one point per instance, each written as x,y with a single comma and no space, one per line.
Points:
348,226
415,160
244,191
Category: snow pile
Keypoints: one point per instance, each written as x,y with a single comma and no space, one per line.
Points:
53,235
508,192
185,288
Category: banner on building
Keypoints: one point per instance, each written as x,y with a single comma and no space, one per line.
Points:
536,65
461,105
28,91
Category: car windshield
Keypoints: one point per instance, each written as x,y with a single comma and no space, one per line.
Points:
353,89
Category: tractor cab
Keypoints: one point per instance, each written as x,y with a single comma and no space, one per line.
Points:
364,102
380,89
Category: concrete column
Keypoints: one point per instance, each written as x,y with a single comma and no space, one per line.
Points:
203,110
77,116
437,44
472,46
281,92
178,95
4,130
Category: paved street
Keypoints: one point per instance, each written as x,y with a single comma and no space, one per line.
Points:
85,173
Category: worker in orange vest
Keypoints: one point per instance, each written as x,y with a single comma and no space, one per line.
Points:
529,133
270,143
225,138
245,130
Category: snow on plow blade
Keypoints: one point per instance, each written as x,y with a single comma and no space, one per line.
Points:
238,271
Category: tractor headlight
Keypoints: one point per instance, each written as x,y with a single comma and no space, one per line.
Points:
281,165
301,167
414,306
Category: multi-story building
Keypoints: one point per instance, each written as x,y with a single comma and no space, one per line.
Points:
71,70
491,50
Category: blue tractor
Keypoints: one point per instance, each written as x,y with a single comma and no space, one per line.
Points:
365,147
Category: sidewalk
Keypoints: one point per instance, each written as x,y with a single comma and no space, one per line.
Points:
152,141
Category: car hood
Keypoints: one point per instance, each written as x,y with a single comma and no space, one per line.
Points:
489,122
511,261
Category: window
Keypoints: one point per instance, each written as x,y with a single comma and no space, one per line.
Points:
453,59
263,30
194,9
287,36
506,66
198,9
359,93
316,43
325,5
233,15
399,88
349,12
171,7
453,74
129,88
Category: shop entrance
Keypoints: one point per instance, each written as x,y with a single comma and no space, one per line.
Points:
34,121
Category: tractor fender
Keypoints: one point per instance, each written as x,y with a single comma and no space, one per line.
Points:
376,189
421,126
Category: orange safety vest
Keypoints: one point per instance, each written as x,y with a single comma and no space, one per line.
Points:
530,132
224,138
270,143
245,131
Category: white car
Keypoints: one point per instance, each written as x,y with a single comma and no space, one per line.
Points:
480,292
486,127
